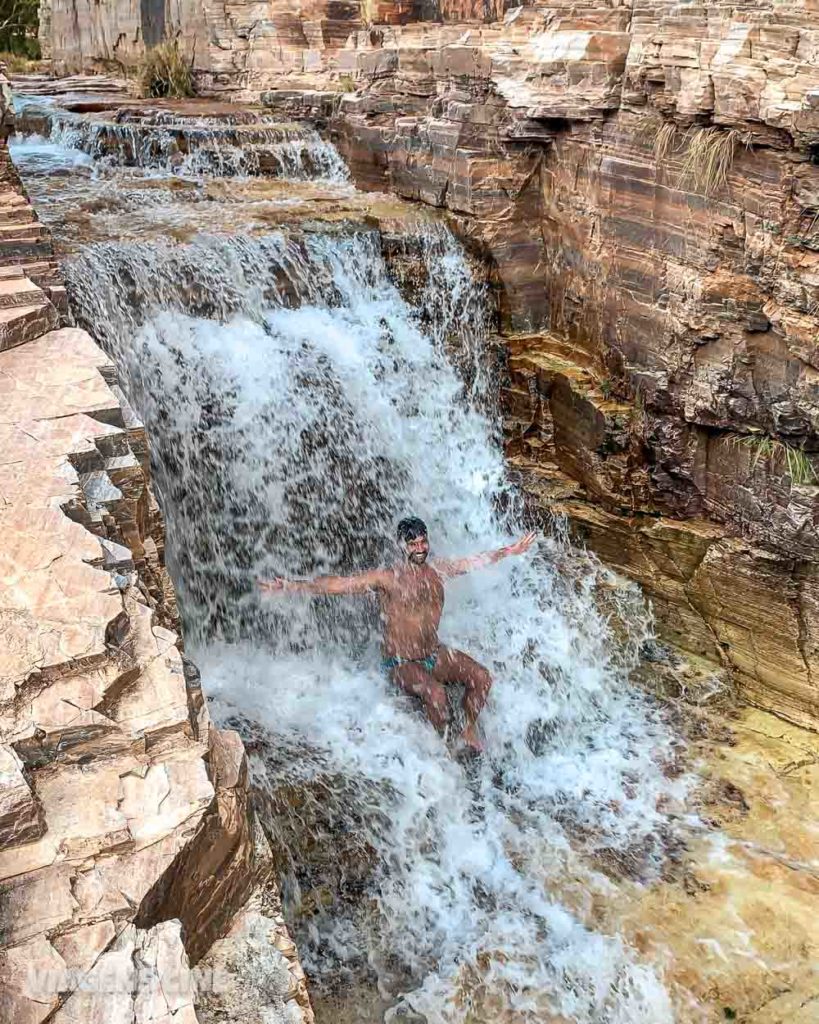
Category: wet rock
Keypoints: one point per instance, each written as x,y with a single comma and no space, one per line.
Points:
20,814
539,736
404,1015
746,900
251,976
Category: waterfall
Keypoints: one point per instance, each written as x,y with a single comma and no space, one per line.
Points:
297,405
189,147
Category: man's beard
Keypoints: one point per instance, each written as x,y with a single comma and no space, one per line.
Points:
417,557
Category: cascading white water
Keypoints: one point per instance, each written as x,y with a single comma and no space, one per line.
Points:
297,405
189,148
33,154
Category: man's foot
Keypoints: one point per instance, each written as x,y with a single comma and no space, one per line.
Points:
471,740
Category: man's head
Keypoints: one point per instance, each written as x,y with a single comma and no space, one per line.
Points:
412,535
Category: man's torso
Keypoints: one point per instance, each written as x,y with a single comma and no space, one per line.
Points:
411,608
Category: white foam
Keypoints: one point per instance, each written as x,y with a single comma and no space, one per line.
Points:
33,154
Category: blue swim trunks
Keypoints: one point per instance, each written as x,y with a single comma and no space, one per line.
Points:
429,663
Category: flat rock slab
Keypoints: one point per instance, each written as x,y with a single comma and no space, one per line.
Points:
53,377
25,310
54,607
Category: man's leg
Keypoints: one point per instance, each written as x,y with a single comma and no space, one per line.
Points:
415,680
456,667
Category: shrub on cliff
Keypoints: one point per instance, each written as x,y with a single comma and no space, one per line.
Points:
17,64
18,31
164,71
778,455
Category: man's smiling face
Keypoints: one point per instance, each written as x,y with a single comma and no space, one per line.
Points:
417,549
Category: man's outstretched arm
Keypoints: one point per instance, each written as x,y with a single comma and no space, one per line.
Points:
358,583
458,566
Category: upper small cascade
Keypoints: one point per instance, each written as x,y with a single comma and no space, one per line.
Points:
166,143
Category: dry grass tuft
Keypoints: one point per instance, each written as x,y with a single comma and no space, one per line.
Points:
665,141
646,124
18,64
164,72
796,463
708,158
662,136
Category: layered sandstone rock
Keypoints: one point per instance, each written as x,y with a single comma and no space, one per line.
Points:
244,44
227,42
126,844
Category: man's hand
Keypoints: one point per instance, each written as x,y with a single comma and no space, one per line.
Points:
274,586
521,546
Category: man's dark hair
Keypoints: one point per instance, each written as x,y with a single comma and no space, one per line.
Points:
411,528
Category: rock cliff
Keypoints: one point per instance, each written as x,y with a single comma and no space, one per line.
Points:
641,178
133,883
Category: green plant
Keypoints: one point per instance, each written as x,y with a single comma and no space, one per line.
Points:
347,83
164,71
606,387
19,20
794,460
708,158
800,468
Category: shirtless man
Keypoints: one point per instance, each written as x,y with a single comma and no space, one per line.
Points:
412,600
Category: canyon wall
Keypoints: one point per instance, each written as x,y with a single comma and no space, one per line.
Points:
641,178
247,43
134,884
